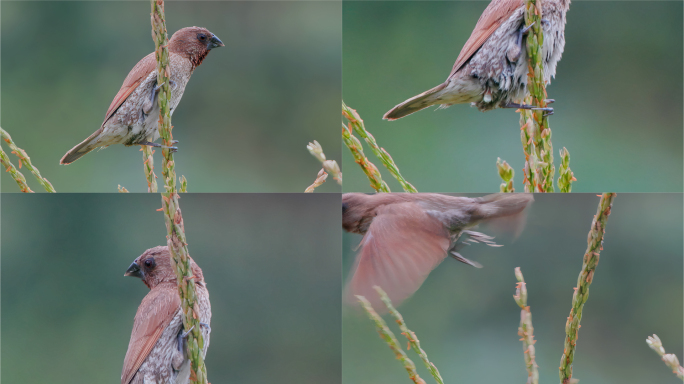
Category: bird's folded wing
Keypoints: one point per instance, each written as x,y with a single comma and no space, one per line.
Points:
402,245
134,78
497,12
154,314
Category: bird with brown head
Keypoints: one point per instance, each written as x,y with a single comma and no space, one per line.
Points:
133,115
157,348
407,235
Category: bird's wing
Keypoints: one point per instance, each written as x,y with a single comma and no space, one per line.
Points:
154,314
134,78
402,245
494,15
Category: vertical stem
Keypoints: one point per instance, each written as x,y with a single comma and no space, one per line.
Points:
148,164
586,276
541,177
526,331
172,213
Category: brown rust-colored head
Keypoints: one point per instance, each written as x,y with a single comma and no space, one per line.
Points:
356,212
194,43
154,267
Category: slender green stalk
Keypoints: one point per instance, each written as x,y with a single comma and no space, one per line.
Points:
16,175
586,276
148,165
320,179
565,175
368,168
540,133
330,166
172,213
506,173
670,359
526,330
387,335
26,161
530,173
410,335
356,122
183,185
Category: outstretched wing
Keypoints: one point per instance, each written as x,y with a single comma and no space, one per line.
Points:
494,15
402,245
154,314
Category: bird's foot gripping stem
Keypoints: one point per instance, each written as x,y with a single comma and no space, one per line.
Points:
548,110
157,145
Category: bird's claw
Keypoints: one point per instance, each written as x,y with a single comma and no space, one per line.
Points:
527,28
206,326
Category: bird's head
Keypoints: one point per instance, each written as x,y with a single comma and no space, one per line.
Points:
154,267
194,43
357,212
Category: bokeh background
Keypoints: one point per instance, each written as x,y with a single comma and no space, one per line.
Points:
246,116
467,320
271,262
618,96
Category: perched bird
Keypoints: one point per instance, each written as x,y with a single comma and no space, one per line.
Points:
157,349
405,236
491,70
133,116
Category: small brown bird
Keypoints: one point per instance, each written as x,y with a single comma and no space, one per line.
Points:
491,70
407,235
133,116
157,349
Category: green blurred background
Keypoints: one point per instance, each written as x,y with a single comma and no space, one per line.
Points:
271,262
467,320
618,96
246,116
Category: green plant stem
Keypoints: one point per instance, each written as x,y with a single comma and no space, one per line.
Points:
586,276
26,161
368,168
356,123
170,205
387,335
670,359
14,172
410,335
148,165
506,173
526,330
540,169
565,175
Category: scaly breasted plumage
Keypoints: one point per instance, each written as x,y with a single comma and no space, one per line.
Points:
157,351
406,235
491,70
133,115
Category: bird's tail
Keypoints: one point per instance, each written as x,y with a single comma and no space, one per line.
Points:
503,212
81,149
415,104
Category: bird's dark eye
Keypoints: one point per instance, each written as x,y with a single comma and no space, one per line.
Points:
202,37
149,263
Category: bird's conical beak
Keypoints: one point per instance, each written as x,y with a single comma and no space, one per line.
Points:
215,42
134,270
